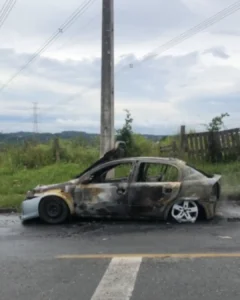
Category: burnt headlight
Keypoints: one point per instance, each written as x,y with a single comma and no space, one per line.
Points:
30,195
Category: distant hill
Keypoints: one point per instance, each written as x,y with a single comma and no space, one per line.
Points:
18,137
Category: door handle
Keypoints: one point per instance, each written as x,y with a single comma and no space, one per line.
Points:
121,191
167,190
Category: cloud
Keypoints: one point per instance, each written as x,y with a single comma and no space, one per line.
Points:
218,52
158,93
188,84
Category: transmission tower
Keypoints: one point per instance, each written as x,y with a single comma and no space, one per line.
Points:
35,117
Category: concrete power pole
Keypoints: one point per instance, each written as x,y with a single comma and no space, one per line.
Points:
107,86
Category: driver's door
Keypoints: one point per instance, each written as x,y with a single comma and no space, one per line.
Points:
154,186
106,193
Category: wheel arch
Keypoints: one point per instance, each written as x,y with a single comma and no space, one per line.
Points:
61,195
202,210
218,189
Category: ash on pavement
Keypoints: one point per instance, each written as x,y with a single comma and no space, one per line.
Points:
10,224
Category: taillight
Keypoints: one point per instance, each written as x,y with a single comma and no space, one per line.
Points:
215,194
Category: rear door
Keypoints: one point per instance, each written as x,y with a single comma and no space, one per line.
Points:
154,187
106,193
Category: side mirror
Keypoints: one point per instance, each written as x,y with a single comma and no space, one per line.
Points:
86,181
120,147
120,143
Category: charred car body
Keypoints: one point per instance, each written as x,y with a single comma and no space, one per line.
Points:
136,187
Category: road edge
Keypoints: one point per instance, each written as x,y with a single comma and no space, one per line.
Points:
8,210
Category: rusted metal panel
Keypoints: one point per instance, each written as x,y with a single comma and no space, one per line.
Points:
150,199
101,199
132,198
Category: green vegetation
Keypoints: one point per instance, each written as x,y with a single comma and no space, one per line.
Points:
230,177
217,123
27,164
14,184
19,137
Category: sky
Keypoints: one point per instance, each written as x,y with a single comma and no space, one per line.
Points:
188,84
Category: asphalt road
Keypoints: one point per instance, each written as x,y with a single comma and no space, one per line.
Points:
120,260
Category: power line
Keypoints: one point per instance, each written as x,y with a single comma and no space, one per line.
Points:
73,17
84,26
5,10
171,43
187,34
176,40
3,7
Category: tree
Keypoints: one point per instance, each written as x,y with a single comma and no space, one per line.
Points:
214,151
56,149
217,123
126,134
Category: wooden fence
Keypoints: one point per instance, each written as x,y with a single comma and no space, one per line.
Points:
169,150
212,146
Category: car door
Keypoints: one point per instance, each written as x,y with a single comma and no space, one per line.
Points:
154,186
106,192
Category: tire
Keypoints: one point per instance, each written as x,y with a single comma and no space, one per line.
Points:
53,210
185,211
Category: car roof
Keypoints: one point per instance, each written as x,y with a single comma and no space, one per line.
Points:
167,160
150,159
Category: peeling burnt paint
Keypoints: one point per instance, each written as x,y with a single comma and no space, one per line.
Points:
101,199
132,198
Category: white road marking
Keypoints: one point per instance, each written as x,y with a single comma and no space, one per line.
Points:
119,279
225,237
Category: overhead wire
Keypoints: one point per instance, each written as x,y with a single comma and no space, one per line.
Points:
3,9
73,37
70,20
187,34
6,10
160,49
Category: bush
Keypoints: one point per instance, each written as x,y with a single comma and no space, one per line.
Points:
35,156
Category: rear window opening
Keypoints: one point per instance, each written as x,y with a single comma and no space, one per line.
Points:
201,171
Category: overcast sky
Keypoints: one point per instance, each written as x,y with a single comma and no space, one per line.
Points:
189,84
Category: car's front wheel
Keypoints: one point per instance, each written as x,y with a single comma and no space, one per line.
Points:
53,210
185,211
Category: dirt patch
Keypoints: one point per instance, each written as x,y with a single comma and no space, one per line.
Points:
8,210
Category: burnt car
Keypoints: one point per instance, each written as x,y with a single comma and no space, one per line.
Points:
135,187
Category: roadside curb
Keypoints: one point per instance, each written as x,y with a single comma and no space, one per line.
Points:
8,210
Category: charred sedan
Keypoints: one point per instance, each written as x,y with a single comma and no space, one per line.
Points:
136,187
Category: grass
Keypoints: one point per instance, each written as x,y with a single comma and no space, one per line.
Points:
14,184
22,167
230,177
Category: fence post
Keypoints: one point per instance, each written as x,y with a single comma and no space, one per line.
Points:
174,148
56,149
182,137
182,140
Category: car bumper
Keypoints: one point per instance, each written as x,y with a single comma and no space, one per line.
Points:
29,209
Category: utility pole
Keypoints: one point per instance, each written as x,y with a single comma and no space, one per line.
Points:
107,85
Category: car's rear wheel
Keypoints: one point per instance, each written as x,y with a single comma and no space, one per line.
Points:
185,211
53,210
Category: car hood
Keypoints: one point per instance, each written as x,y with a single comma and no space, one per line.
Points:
43,188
